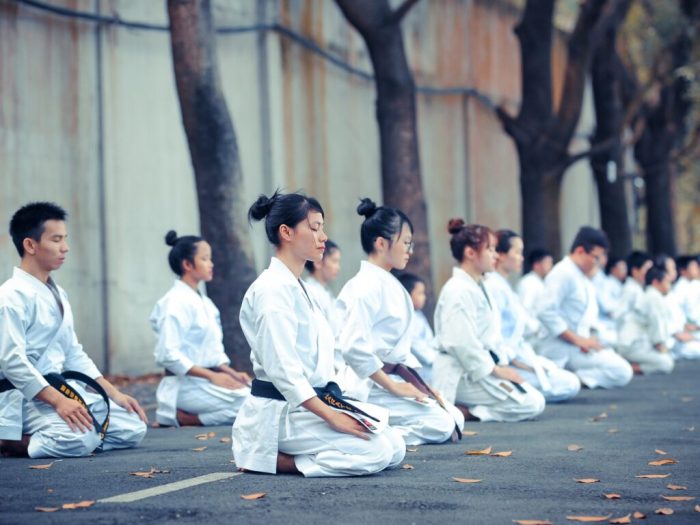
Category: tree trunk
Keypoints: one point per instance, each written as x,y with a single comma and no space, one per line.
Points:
402,188
216,163
606,78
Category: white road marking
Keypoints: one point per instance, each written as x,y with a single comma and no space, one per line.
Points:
169,487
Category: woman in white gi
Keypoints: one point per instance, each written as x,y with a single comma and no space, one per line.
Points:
36,339
200,388
570,310
321,274
292,353
556,384
646,330
376,314
422,336
472,368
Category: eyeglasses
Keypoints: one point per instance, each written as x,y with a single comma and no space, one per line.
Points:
409,245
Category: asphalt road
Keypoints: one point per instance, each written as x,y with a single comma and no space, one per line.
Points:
619,431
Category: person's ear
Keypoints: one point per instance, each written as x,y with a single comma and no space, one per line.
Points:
285,233
469,252
187,266
380,244
29,245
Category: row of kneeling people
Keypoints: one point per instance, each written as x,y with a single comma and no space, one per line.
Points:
341,386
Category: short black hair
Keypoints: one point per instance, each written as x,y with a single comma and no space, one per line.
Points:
683,261
183,249
282,208
380,222
28,222
637,259
537,255
655,273
503,240
588,238
330,248
409,280
612,262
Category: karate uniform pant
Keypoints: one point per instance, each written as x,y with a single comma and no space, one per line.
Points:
563,385
213,404
689,350
319,451
51,437
601,369
483,404
418,424
650,360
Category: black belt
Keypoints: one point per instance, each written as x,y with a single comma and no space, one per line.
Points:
212,368
58,381
410,375
330,394
496,359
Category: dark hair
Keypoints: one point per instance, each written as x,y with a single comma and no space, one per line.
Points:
655,273
612,262
588,238
504,238
380,222
660,259
683,261
183,249
409,280
282,208
28,222
330,248
464,235
537,255
636,260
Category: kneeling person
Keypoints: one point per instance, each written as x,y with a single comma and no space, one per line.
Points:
38,343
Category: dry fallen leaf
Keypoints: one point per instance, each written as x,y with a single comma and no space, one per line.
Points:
211,434
149,473
574,448
665,511
690,429
621,520
409,449
661,452
600,417
503,454
256,495
589,519
49,491
407,466
660,462
484,452
697,508
466,480
469,433
199,449
46,509
686,399
676,487
587,480
202,437
639,515
80,505
612,496
613,431
532,522
46,466
225,440
678,498
653,476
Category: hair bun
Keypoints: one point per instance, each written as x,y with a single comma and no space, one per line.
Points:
367,207
455,225
171,238
261,207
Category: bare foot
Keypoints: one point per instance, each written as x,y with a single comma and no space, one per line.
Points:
14,449
188,420
637,369
468,416
286,465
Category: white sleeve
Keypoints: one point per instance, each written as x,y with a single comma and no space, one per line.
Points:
171,333
557,286
354,339
658,326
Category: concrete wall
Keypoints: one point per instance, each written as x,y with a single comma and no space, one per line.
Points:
89,118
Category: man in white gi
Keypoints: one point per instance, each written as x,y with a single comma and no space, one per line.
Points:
638,264
530,288
36,339
687,288
570,310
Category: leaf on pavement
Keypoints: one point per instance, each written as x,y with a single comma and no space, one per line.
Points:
211,435
469,433
503,454
660,462
600,417
690,429
612,496
639,515
484,452
466,480
407,466
574,448
46,509
686,399
149,473
613,431
411,449
661,452
587,480
532,522
46,466
199,449
664,511
653,476
80,505
678,498
697,508
589,519
621,520
255,495
202,437
225,440
676,487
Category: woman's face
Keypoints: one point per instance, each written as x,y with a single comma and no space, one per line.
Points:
512,260
401,248
485,259
309,239
329,268
202,267
418,296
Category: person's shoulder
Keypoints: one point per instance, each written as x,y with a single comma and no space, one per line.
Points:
15,293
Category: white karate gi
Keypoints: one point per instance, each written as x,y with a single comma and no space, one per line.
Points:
556,384
376,312
326,303
423,344
35,340
530,288
608,292
687,294
570,304
647,324
467,327
292,347
677,322
188,327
